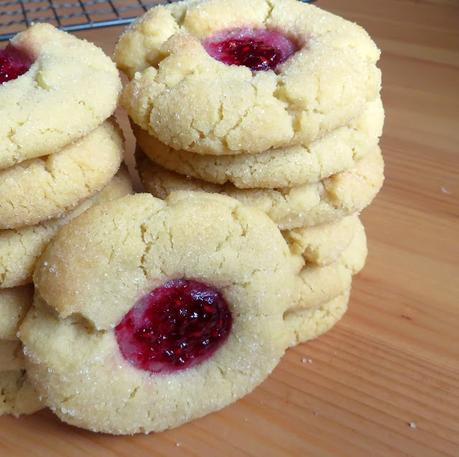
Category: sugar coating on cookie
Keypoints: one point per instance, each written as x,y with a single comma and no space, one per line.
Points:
44,188
309,323
14,304
20,248
70,88
323,244
339,195
17,396
283,167
125,282
316,75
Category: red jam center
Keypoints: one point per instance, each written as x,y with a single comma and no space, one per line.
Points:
175,326
13,63
257,49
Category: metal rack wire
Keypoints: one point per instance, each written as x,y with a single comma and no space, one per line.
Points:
71,15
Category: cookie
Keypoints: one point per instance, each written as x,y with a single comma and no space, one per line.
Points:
217,77
318,285
44,188
20,248
14,304
176,308
338,196
17,396
323,244
306,324
11,356
284,167
56,88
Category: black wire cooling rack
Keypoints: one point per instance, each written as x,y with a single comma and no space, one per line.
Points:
71,16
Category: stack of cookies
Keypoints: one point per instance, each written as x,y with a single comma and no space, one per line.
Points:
59,155
182,304
276,104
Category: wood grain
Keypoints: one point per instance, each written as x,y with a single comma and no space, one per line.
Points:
394,359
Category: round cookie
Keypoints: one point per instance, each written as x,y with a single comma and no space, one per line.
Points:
306,324
284,167
128,374
70,89
14,304
44,188
17,396
11,356
20,248
318,285
192,101
340,195
323,244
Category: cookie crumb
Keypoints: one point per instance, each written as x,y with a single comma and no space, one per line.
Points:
412,425
306,360
445,190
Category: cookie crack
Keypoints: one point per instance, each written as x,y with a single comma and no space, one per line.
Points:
146,250
147,243
269,13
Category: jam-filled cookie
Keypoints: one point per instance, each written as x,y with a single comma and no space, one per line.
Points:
20,248
218,77
46,187
54,89
176,308
283,167
339,195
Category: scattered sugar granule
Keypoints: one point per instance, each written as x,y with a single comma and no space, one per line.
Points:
445,190
306,360
412,425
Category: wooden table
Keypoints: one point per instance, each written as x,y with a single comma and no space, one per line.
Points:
385,381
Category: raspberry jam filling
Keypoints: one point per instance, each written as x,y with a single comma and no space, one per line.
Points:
175,326
257,49
13,63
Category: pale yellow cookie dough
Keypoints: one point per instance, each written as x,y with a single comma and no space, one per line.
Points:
20,248
318,285
102,262
306,324
71,88
14,304
17,396
44,188
192,102
285,167
323,244
340,195
11,356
